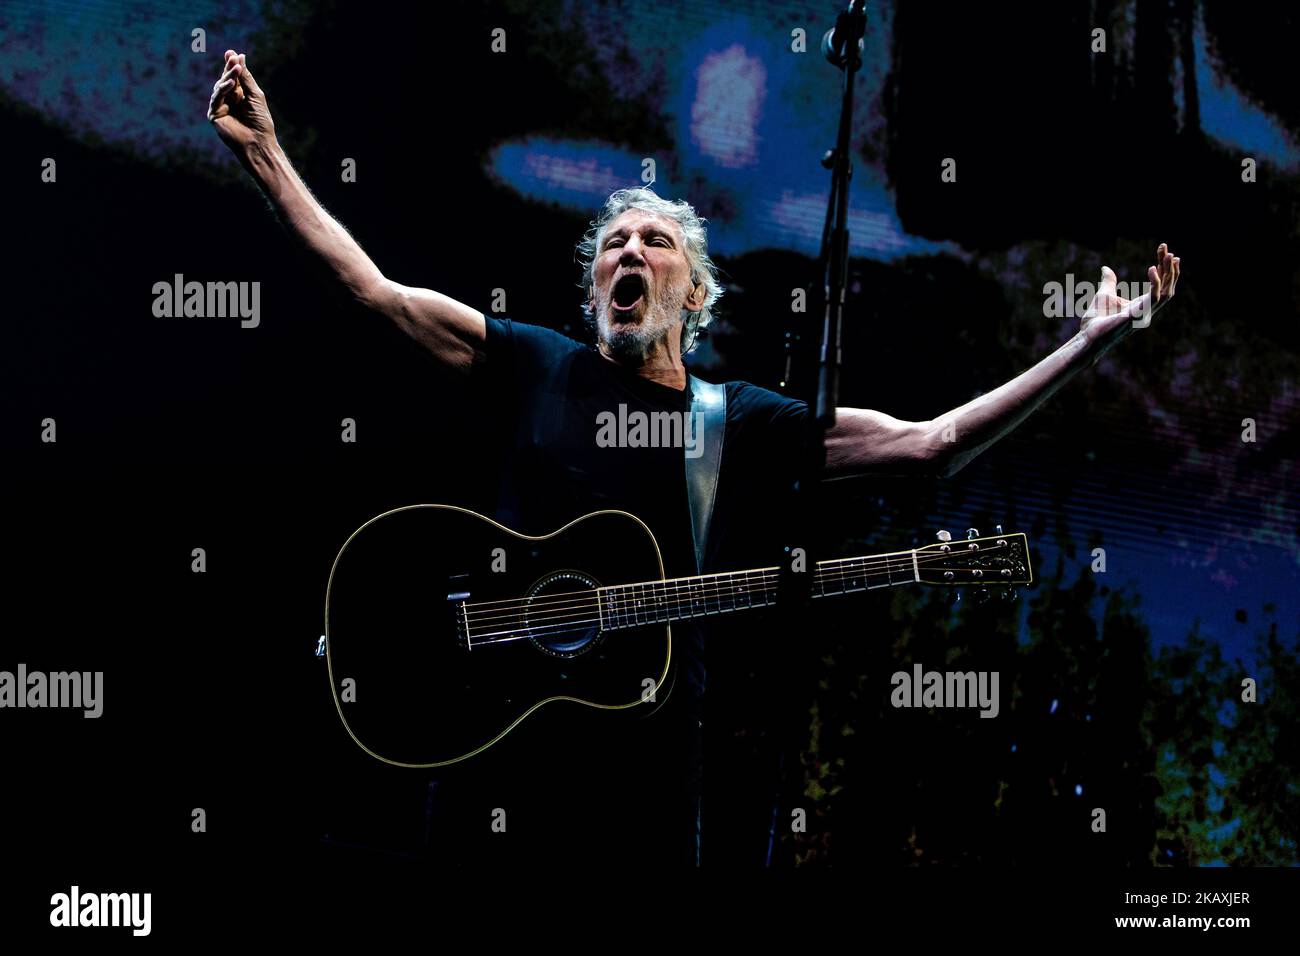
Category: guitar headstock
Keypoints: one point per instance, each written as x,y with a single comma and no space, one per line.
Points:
977,561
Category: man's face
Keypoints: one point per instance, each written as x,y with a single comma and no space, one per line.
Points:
641,283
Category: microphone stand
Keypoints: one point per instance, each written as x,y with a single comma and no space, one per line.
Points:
842,46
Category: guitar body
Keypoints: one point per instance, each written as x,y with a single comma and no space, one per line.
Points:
414,686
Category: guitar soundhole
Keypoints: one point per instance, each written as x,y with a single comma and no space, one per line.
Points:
562,613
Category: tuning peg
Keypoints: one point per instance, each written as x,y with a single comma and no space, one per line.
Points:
982,596
972,534
953,597
997,529
944,536
1009,595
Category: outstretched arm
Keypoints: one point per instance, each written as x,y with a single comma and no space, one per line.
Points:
869,442
451,330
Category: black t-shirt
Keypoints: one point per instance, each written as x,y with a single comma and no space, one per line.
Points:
548,391
545,392
552,388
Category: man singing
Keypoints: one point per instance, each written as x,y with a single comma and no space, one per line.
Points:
650,288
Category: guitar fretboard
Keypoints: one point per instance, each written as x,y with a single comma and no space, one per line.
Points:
657,602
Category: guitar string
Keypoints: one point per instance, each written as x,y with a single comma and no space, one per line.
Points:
884,556
621,600
625,614
500,637
864,564
707,585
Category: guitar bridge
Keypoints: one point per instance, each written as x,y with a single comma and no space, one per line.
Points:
458,598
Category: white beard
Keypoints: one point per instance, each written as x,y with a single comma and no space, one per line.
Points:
633,345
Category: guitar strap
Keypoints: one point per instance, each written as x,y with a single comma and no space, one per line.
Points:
709,402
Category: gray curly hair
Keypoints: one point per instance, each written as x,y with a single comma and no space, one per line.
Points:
696,249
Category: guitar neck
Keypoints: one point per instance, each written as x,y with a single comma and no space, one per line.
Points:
998,560
706,595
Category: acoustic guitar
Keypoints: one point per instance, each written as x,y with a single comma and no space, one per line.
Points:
445,630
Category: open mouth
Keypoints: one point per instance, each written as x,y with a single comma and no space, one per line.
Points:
628,292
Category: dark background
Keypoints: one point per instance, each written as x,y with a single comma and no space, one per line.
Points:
479,171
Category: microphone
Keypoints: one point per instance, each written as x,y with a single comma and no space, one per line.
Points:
850,25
